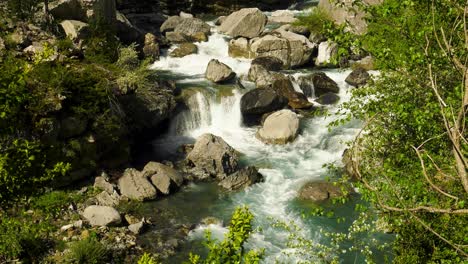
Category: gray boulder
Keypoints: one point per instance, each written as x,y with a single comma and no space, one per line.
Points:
358,77
218,72
176,37
98,215
241,179
247,22
213,156
282,17
280,127
108,199
163,177
102,183
135,186
184,49
191,27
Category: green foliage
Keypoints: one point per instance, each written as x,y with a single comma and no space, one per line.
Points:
53,202
102,44
22,237
231,249
147,259
401,107
87,251
316,21
23,9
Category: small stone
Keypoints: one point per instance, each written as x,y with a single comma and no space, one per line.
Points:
102,215
137,228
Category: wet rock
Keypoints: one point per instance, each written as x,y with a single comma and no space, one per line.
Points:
280,127
190,27
320,191
184,49
151,47
358,77
283,85
318,83
328,99
176,37
163,177
182,14
247,22
269,63
327,53
241,179
199,37
259,101
102,215
212,155
135,186
239,48
261,76
218,72
75,29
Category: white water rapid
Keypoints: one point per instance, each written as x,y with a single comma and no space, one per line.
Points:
285,168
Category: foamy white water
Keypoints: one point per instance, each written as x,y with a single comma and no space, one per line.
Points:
286,168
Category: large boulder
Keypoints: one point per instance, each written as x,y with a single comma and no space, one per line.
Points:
134,185
247,22
260,76
321,191
184,49
241,179
218,72
292,49
258,102
75,29
279,128
191,28
176,37
358,77
102,215
213,156
163,177
67,9
284,86
323,84
327,54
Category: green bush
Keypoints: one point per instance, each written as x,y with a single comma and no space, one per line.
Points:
147,259
53,202
87,251
231,249
315,20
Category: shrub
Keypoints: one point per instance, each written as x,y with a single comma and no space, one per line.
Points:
315,21
53,202
87,251
147,259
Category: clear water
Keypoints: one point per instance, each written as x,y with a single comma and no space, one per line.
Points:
286,168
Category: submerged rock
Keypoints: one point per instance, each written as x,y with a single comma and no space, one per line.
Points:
102,215
213,156
358,77
321,191
218,72
241,179
135,186
247,22
328,99
184,49
279,128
